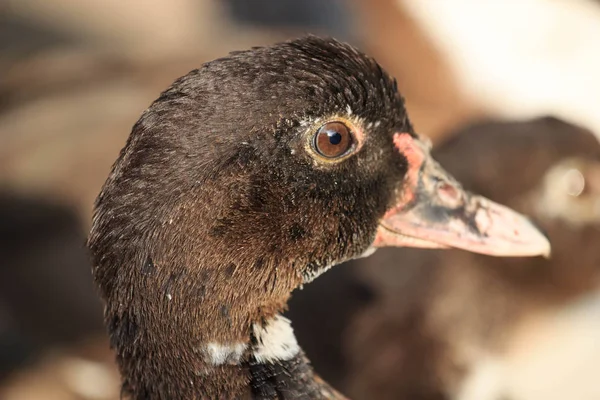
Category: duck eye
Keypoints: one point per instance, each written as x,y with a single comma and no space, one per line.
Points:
333,140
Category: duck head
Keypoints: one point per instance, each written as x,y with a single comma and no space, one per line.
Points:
246,179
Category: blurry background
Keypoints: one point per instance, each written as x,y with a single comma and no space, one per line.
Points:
75,76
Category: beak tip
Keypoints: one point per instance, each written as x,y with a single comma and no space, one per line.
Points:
547,253
537,241
545,248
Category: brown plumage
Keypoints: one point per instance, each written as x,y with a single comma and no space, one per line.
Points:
227,197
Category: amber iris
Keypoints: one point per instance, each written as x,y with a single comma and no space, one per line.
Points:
333,140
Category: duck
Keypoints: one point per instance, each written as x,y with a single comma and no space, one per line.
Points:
246,179
435,327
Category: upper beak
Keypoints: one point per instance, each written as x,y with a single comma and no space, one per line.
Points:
433,211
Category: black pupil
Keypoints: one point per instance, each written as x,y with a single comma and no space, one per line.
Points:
334,137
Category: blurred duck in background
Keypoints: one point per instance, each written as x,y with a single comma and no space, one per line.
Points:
453,325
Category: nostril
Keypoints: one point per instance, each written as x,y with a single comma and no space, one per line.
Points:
448,192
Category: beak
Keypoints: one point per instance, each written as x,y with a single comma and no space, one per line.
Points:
433,211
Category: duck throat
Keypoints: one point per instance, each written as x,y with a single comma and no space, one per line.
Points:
270,365
183,335
204,322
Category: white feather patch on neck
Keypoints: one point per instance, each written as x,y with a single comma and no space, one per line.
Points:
275,341
219,354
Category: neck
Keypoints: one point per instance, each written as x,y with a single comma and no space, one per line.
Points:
187,336
194,309
269,365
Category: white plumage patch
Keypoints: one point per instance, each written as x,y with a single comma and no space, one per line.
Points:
219,354
275,340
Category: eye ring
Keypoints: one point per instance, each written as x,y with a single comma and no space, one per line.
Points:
333,140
